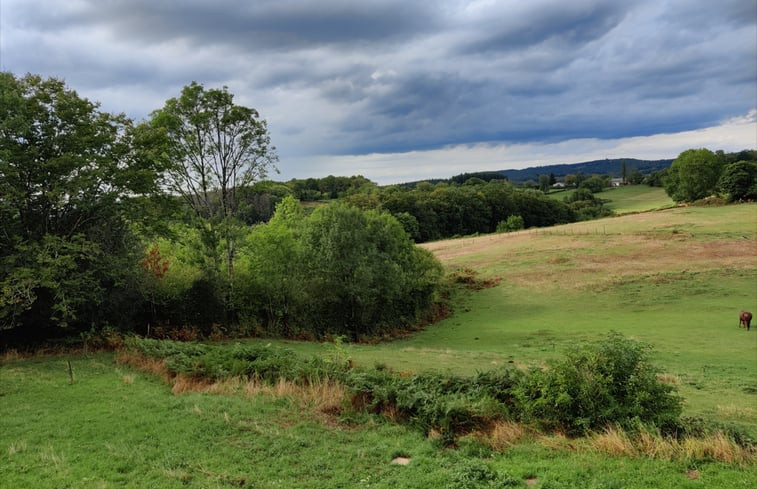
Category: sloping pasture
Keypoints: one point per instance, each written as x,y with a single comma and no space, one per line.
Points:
676,279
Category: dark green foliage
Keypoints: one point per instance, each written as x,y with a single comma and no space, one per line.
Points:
340,271
585,205
597,385
449,404
216,362
635,177
656,179
594,386
444,210
330,187
594,183
483,176
739,181
693,175
513,223
71,178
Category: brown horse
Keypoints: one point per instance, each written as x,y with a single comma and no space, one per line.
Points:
745,319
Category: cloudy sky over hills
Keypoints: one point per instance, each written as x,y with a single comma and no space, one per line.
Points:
398,90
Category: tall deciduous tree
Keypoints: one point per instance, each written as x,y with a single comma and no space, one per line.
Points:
739,181
216,147
693,175
70,176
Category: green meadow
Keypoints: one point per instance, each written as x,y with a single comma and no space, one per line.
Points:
674,278
627,199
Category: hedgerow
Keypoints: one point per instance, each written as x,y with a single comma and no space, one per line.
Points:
607,383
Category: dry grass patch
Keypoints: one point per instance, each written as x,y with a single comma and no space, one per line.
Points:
613,441
505,434
716,447
17,447
325,396
734,411
10,356
599,252
144,364
670,379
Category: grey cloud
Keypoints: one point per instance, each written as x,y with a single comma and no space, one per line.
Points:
568,23
346,77
243,25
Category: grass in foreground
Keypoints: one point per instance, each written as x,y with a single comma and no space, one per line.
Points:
115,427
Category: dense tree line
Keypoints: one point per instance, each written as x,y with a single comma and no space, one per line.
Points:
700,173
429,212
146,227
72,179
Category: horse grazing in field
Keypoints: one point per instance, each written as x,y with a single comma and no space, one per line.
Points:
745,319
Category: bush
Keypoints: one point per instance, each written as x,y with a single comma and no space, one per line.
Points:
217,362
474,474
513,223
340,271
597,385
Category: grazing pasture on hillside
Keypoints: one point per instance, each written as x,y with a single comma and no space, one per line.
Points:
627,199
675,279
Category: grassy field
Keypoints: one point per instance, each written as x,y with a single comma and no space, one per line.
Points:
675,278
628,199
636,198
114,427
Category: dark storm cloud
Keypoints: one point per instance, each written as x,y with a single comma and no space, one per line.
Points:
356,77
263,24
569,23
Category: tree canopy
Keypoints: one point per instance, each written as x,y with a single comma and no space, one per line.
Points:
693,175
71,176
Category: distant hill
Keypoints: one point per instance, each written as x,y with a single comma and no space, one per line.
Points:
597,167
611,167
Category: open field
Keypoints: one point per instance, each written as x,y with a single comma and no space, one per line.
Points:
675,279
636,198
627,199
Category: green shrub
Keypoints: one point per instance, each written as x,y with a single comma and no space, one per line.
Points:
513,223
609,382
475,474
216,362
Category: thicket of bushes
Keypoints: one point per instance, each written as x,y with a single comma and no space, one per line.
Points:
337,271
607,383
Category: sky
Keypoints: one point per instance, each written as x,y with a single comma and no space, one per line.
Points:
399,90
